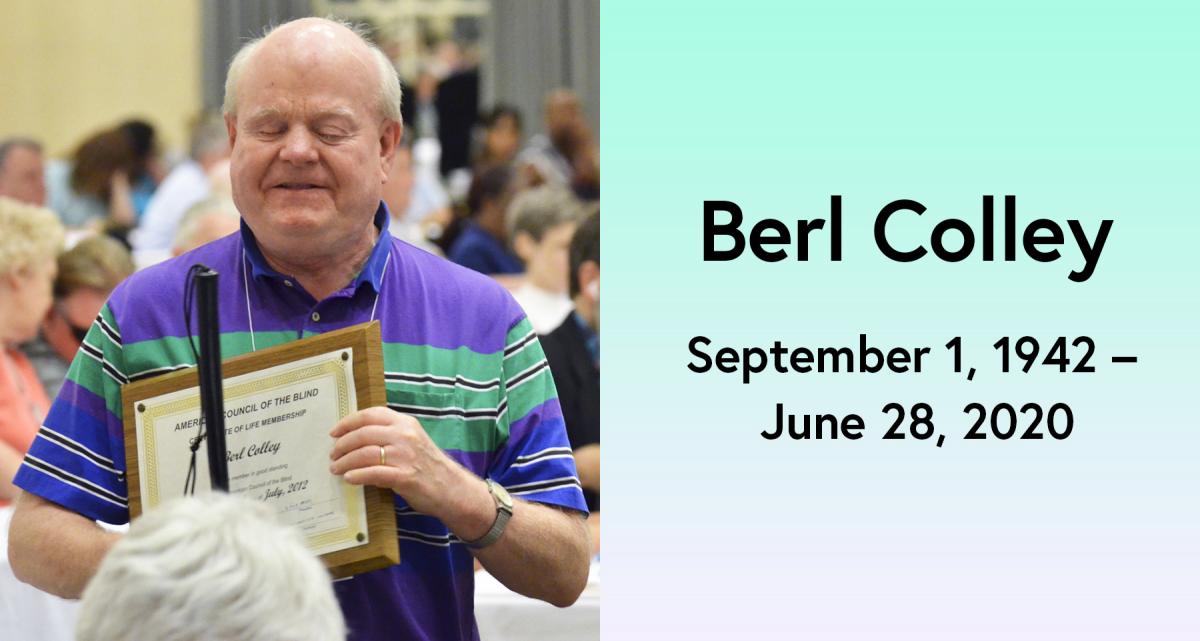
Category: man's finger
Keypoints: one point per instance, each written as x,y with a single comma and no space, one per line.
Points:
377,475
361,458
372,434
360,418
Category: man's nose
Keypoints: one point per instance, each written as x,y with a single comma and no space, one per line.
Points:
299,147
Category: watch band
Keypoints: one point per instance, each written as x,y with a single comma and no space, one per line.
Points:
503,513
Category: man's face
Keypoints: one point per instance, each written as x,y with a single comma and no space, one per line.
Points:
310,148
503,138
22,177
563,116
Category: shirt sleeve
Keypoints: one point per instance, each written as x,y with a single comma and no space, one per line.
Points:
77,459
535,462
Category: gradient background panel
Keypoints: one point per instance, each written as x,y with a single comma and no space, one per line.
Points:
1083,111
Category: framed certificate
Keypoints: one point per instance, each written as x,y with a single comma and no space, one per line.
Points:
280,404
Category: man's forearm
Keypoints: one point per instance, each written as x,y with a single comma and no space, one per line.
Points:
54,549
543,554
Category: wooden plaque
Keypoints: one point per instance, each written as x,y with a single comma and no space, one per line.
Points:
359,345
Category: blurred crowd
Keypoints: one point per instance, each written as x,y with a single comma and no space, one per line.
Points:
476,189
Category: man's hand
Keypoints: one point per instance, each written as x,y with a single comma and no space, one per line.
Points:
379,446
543,553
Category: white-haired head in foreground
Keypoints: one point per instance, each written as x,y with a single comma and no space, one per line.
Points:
207,568
389,80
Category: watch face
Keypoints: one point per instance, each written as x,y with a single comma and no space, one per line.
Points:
502,496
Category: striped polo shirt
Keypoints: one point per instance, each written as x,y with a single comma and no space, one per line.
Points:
459,355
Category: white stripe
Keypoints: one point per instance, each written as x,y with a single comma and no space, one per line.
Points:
557,448
540,364
544,458
102,362
155,370
479,386
113,337
555,488
81,446
475,414
523,347
76,485
573,480
410,538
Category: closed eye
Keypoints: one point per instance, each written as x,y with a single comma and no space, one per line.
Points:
331,135
270,131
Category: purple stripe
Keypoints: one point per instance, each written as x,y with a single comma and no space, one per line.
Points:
477,462
444,305
149,304
77,396
549,411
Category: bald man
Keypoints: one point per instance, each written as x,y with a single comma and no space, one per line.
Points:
472,421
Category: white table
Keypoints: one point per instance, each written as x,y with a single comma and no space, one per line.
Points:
26,613
503,615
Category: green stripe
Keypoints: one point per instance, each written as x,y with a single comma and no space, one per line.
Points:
426,359
454,432
457,435
518,331
473,435
174,350
86,372
518,362
530,394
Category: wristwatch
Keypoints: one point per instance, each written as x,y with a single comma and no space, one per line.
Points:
504,510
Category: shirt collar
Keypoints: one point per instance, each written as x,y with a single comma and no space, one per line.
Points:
372,271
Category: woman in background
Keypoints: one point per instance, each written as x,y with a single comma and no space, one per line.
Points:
94,189
30,238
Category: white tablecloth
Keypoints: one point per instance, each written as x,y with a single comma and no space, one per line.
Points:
505,616
26,613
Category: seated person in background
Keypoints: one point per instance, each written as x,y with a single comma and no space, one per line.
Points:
30,238
205,222
419,207
567,154
185,186
93,189
501,137
87,273
148,170
482,244
573,351
210,567
22,173
541,222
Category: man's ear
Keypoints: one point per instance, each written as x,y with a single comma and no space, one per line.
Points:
589,271
523,245
231,128
389,139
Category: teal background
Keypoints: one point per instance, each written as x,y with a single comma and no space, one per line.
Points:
1082,111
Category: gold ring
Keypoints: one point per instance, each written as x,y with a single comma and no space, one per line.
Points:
382,455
